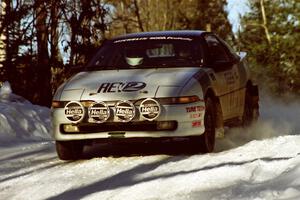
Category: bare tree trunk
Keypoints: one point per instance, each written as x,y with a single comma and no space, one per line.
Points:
2,35
264,18
54,36
138,16
85,20
43,68
10,69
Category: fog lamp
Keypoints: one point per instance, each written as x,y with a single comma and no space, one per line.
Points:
70,128
166,125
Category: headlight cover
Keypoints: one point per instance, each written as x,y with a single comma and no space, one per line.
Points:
74,112
125,111
99,112
150,109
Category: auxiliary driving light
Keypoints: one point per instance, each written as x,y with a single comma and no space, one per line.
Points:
166,125
150,109
99,112
74,111
125,111
70,128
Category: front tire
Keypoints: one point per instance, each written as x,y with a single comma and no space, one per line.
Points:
208,137
205,143
69,150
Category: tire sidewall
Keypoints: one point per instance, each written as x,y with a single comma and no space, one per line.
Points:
69,150
208,137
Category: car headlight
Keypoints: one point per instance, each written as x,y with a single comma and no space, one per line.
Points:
150,109
62,104
179,100
58,104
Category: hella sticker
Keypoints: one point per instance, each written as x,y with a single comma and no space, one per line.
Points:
74,111
150,109
99,112
124,111
121,87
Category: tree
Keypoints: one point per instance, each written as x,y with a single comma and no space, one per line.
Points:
273,43
33,31
55,56
43,63
86,24
211,16
2,36
14,30
142,15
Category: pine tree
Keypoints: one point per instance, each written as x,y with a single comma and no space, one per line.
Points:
271,36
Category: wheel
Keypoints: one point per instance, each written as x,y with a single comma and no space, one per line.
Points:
208,137
69,150
251,109
206,142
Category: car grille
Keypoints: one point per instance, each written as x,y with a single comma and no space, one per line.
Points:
120,126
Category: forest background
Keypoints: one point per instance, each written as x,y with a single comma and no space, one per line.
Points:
41,41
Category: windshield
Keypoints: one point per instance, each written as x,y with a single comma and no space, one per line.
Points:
147,53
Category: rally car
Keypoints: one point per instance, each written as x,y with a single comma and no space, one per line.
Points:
170,84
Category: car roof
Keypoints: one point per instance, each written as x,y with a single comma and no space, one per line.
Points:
177,33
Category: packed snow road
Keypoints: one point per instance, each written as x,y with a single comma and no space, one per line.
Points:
267,169
261,162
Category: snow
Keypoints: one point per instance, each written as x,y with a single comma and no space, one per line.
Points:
260,162
20,120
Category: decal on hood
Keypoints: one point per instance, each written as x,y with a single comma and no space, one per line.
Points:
121,87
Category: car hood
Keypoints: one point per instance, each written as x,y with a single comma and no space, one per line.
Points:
128,84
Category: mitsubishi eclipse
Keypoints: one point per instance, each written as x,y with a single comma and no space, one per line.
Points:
164,85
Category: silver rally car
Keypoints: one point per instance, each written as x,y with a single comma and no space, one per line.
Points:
166,85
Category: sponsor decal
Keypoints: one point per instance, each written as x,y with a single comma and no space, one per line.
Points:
195,109
150,109
170,38
195,115
121,87
131,39
74,111
124,111
196,124
99,112
153,38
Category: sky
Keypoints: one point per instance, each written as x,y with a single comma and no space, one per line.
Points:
236,8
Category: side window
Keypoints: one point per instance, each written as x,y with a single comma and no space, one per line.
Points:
232,53
216,49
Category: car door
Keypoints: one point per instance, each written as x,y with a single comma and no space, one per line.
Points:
226,76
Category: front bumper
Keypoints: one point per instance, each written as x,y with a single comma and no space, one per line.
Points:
118,126
178,120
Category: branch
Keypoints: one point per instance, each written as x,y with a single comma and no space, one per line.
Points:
263,12
137,13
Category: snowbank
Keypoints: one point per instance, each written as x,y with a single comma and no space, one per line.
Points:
20,120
